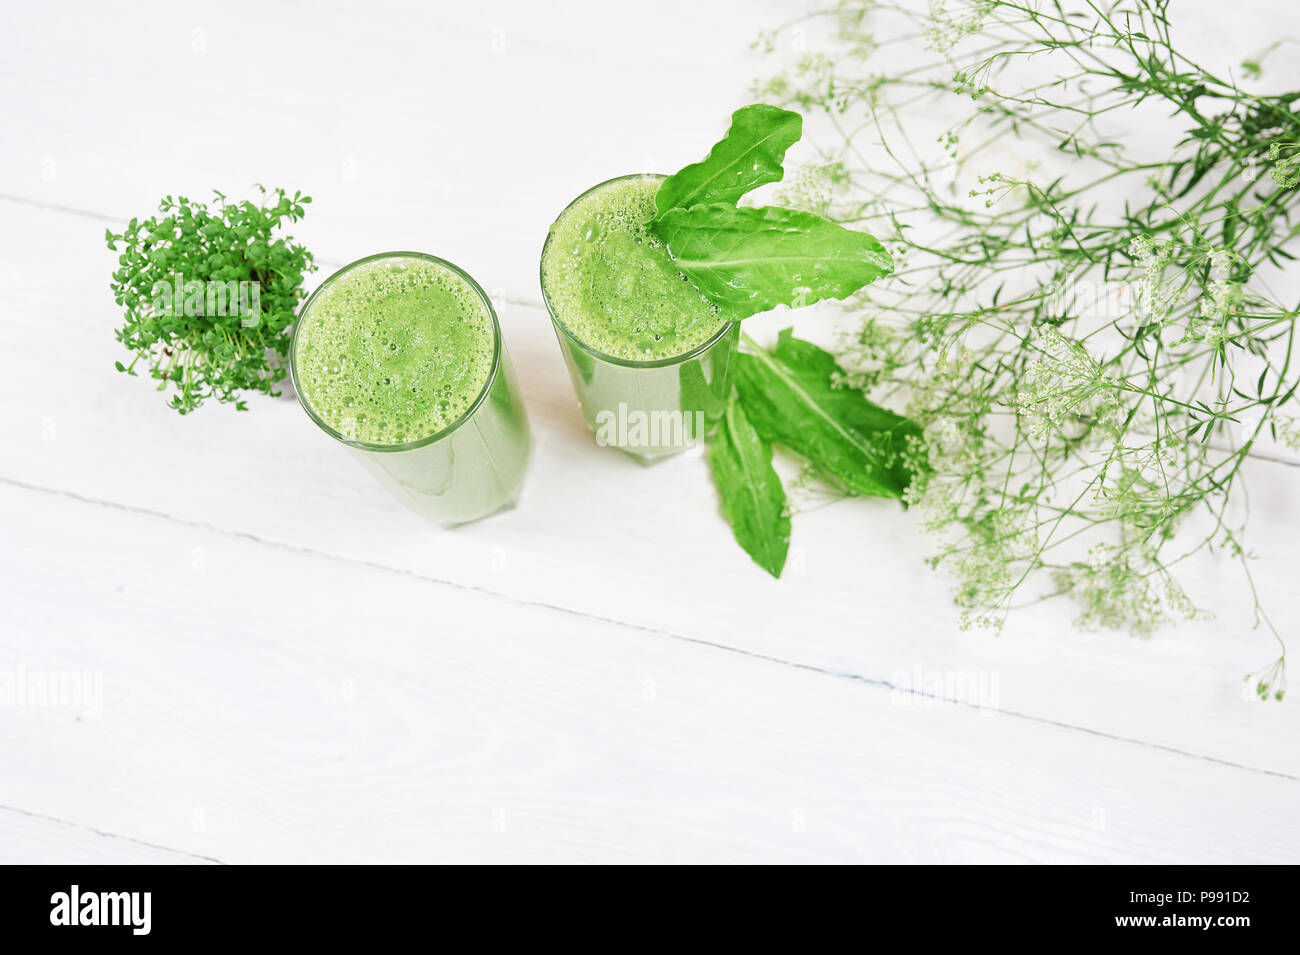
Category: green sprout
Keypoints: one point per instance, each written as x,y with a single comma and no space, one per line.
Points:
210,295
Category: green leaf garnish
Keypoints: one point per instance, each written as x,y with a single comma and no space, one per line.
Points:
749,260
748,156
753,499
790,396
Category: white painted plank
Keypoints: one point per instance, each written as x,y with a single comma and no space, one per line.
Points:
261,704
598,534
27,839
436,127
456,129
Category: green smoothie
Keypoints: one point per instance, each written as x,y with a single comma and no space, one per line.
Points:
394,350
399,357
650,357
611,283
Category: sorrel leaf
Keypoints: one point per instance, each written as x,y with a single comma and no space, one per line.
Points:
748,156
753,500
749,260
790,397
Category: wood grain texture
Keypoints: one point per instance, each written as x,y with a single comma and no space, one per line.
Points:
333,711
592,676
27,839
592,536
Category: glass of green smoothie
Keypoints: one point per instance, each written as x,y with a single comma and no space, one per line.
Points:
650,357
399,357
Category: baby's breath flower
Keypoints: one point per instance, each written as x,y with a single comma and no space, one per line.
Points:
1286,164
1221,298
1288,431
1057,420
1154,298
1066,383
1115,586
945,28
812,187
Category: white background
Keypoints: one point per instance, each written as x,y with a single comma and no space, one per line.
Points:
295,668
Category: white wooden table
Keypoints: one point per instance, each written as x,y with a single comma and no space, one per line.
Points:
294,668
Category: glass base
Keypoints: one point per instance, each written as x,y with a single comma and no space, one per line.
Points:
648,458
509,504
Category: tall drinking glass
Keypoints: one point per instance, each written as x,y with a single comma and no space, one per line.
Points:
650,358
399,358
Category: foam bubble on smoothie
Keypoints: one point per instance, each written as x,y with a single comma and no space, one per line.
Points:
394,350
612,284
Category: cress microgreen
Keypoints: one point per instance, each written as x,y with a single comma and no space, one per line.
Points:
177,274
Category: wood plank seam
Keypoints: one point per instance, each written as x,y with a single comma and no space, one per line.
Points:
29,814
659,632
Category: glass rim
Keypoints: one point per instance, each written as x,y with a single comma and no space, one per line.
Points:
596,352
427,439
